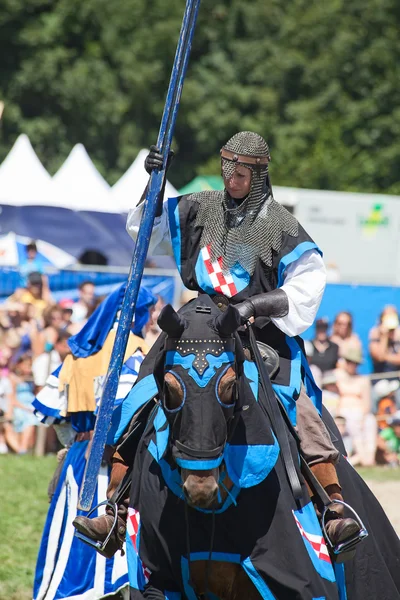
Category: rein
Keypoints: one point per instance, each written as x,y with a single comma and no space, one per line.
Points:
271,408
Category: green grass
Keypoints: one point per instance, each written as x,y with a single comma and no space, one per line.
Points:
23,509
379,473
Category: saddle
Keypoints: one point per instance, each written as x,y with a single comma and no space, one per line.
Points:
270,358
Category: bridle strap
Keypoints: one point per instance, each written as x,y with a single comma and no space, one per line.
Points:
199,453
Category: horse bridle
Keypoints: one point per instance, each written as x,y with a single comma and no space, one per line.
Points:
201,348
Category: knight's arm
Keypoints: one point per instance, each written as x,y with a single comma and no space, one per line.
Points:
293,306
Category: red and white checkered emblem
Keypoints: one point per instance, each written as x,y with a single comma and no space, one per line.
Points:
317,542
222,283
133,528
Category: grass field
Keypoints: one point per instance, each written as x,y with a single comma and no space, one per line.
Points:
23,508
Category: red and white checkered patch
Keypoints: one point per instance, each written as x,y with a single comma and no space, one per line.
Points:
133,528
222,283
316,541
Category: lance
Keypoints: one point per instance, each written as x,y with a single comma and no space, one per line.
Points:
157,177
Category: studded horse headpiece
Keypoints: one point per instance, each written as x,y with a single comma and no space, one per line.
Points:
199,349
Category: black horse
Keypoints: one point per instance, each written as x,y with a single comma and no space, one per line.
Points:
218,518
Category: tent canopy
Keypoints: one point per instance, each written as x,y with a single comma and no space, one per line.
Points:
203,183
128,190
79,186
23,179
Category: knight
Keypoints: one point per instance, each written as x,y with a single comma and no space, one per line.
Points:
241,246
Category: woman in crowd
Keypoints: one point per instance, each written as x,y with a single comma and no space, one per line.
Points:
343,334
384,342
355,407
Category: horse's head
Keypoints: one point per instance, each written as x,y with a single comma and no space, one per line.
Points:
199,380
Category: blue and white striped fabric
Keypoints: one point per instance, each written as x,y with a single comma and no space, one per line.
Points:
66,567
50,405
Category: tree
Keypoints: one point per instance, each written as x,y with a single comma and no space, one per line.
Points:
319,81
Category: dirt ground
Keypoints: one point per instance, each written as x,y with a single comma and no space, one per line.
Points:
388,494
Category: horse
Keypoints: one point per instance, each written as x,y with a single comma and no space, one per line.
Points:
218,518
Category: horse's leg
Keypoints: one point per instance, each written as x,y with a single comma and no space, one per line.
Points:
227,581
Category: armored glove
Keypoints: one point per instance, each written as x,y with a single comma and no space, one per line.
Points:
154,159
271,304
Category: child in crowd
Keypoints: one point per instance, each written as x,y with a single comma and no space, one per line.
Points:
389,442
22,397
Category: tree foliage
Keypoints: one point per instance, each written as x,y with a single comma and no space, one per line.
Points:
318,80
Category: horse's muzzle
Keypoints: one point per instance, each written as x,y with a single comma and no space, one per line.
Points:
201,487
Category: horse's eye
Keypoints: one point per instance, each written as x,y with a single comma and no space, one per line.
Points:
226,386
174,392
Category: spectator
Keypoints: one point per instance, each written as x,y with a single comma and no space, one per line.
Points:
36,293
22,397
31,262
49,360
384,342
43,340
18,327
316,371
5,392
355,407
324,353
66,307
388,451
83,307
342,333
330,392
152,330
346,437
386,406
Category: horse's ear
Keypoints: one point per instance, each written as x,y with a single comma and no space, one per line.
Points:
170,322
228,322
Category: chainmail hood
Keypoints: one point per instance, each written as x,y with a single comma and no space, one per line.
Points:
242,233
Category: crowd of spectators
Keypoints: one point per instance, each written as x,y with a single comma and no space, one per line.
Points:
34,332
366,408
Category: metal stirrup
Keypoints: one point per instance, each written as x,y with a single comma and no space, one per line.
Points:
100,546
353,541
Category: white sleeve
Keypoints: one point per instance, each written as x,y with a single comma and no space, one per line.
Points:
304,284
160,241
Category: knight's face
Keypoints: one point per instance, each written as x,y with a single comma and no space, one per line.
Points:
239,183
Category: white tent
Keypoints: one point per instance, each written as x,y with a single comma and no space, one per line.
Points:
79,186
128,190
23,179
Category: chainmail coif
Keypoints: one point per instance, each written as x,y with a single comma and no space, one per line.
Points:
252,229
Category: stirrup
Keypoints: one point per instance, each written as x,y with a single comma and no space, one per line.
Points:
99,546
347,545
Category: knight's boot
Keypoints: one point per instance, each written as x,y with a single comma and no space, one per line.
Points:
339,530
99,528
